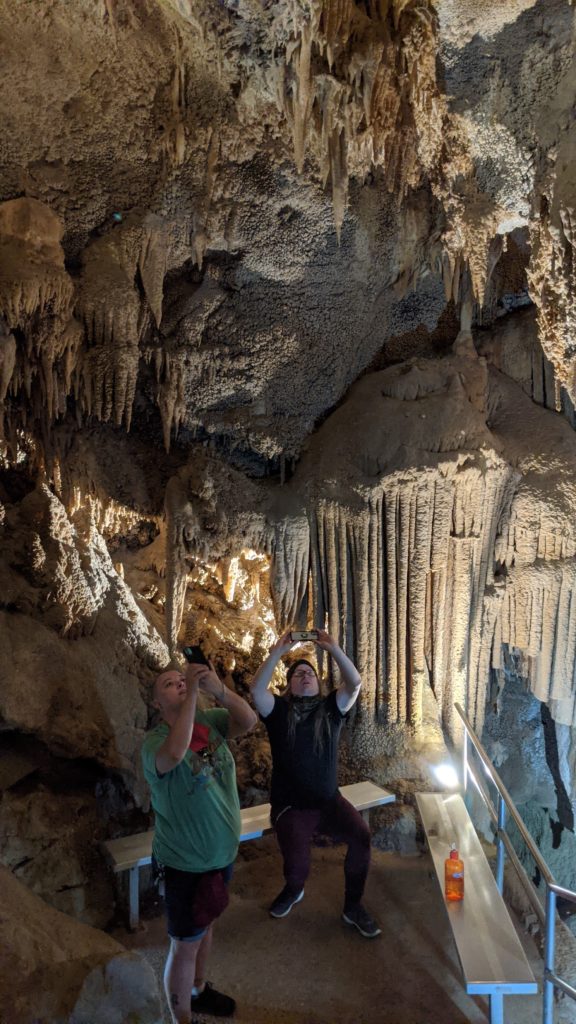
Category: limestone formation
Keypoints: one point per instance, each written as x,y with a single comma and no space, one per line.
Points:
48,838
76,644
55,969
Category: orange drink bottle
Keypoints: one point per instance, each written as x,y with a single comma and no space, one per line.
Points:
454,876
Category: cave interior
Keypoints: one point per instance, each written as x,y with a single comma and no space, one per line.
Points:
287,339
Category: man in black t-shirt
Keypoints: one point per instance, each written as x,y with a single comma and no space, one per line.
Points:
304,728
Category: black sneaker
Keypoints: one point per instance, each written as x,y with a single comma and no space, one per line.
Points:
213,1002
360,919
284,902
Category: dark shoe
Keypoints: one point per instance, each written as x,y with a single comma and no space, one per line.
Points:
214,1002
284,902
360,919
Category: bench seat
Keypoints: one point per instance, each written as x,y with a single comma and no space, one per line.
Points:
130,853
491,956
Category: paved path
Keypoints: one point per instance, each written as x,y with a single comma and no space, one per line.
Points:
310,968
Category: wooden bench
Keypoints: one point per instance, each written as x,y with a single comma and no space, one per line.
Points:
133,852
491,956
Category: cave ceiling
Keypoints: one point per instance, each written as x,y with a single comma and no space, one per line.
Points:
302,273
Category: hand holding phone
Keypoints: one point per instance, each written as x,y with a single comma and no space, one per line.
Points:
195,655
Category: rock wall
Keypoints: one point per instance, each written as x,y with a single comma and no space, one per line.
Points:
66,971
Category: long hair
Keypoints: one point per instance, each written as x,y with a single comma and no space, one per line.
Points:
321,720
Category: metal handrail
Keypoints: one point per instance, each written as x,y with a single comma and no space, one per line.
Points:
547,914
541,863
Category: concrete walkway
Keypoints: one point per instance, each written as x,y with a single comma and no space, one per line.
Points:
311,968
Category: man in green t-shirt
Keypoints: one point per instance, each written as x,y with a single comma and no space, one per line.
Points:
192,776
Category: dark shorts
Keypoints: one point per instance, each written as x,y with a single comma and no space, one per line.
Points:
193,901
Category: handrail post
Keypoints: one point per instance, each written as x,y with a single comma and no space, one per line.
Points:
500,848
549,943
465,761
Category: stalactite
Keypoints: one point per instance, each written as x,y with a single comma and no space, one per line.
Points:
7,361
181,527
113,314
552,283
470,245
171,376
538,618
38,336
179,354
417,555
200,235
302,98
289,570
358,83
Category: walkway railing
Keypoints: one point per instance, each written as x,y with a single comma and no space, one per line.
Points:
498,815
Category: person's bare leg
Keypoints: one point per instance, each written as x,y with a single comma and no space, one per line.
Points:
202,960
179,974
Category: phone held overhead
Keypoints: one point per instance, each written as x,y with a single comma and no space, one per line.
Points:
195,655
303,634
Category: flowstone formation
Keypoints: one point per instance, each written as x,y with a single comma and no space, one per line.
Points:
286,337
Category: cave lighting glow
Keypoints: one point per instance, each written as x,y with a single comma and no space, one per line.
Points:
446,775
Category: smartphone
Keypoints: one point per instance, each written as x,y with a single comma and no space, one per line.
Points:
195,655
304,634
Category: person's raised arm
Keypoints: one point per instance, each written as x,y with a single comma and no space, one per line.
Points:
242,716
261,695
347,692
174,747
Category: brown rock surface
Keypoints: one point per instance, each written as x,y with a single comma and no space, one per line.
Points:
54,970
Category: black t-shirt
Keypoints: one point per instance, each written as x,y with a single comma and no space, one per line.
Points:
303,776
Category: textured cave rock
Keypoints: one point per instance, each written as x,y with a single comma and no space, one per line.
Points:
195,140
56,969
407,530
49,840
264,359
76,643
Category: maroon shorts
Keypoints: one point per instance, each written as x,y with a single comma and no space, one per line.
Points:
194,900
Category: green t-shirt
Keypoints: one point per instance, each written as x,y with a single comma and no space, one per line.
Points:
196,804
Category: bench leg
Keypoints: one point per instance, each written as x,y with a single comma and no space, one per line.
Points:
497,1008
134,898
366,816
